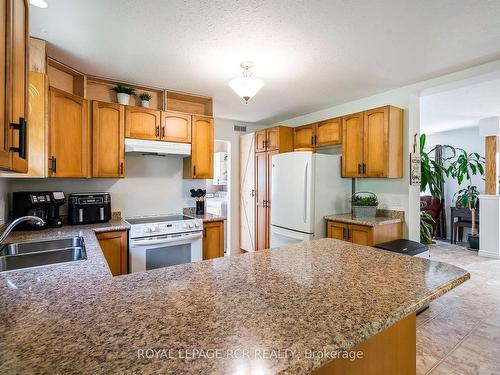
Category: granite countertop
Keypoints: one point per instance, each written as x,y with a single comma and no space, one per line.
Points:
383,217
206,217
318,295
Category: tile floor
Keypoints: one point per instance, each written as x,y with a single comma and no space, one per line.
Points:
460,332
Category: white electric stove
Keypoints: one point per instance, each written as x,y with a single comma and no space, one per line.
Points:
162,241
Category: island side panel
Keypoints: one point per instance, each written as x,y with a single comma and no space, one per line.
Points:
392,351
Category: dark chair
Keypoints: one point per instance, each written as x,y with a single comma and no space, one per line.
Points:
432,206
463,218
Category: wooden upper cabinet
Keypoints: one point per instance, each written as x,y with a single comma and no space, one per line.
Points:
201,162
213,240
273,139
176,127
383,142
108,139
328,132
14,85
375,146
352,147
68,135
278,138
304,136
142,123
260,140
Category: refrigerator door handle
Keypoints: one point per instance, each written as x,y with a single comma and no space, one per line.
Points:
304,217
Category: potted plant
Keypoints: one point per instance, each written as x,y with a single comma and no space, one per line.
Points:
462,169
123,93
145,98
364,204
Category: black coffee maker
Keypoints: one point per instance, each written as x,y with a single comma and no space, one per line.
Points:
43,204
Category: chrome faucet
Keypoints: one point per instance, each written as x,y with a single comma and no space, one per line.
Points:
12,225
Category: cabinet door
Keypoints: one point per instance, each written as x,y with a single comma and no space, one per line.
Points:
108,139
13,83
328,132
376,148
68,135
273,139
269,156
19,80
304,136
337,230
142,123
247,192
202,147
5,155
261,215
175,127
361,235
260,140
213,240
352,148
114,246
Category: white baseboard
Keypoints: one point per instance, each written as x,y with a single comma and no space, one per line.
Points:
489,254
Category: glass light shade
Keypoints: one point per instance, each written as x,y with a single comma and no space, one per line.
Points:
39,3
246,87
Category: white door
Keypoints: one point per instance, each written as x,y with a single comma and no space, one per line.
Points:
283,237
247,192
292,191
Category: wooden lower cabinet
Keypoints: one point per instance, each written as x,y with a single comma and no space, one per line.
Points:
391,351
364,234
114,246
213,239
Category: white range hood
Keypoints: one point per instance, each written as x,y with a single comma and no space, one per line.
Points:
141,146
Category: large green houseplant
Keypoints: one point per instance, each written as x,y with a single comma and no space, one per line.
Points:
432,177
462,168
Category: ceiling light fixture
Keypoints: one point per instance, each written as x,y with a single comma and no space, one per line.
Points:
39,3
246,86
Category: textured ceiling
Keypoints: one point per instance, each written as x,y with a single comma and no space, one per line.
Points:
311,54
460,108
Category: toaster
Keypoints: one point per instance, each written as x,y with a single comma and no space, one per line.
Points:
89,208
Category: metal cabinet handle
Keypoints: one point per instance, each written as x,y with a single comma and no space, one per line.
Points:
312,139
364,168
315,139
53,164
359,168
194,170
253,193
163,132
22,127
349,234
121,168
343,234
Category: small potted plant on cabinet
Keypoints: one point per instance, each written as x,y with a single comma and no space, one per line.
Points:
364,204
123,93
145,98
463,168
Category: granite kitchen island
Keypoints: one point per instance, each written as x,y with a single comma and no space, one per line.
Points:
269,312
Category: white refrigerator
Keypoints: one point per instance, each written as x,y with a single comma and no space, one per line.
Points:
305,187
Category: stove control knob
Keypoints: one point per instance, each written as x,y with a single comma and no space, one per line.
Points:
147,230
185,226
197,225
191,225
153,228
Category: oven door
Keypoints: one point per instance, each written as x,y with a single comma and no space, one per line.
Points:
163,251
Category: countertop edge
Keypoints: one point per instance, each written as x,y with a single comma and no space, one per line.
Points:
371,332
360,221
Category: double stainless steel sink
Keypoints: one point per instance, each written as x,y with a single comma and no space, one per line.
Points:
40,253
